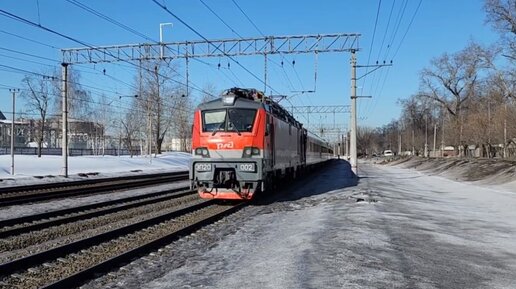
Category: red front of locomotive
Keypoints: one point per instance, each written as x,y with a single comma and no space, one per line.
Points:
228,148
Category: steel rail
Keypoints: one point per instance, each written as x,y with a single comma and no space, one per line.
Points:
146,199
38,258
81,277
33,187
92,187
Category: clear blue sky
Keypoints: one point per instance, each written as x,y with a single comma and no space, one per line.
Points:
439,26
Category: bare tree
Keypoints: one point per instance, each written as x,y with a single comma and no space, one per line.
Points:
452,80
156,96
106,117
131,132
365,137
502,15
79,98
182,119
209,92
39,96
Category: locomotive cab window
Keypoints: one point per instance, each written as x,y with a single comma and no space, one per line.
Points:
230,120
213,120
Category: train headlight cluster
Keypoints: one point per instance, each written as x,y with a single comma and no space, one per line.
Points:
250,151
202,151
203,167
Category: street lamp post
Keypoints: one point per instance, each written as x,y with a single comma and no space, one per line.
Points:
162,48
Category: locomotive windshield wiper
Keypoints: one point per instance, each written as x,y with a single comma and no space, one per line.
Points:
234,127
218,128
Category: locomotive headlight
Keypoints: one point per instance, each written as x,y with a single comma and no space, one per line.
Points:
228,99
250,151
202,151
203,167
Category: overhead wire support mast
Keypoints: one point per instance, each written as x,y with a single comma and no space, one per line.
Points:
353,132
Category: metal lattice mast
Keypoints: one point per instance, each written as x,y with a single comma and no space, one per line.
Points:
297,44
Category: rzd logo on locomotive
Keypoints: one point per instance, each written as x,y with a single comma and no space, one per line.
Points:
222,146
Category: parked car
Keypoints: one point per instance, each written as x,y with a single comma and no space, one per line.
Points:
388,153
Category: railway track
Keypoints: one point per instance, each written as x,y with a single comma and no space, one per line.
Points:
43,192
70,264
17,226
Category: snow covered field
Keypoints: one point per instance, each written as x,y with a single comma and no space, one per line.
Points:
31,169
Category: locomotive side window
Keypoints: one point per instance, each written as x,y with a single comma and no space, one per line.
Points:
213,120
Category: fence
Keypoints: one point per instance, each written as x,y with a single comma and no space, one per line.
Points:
71,152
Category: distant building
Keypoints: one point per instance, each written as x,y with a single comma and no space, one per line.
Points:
81,134
21,129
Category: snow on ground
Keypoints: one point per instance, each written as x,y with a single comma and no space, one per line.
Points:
31,169
498,173
395,228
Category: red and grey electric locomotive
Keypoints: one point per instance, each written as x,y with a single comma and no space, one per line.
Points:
243,142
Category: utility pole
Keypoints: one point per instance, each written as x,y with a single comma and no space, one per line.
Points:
426,137
346,139
13,90
158,112
505,132
265,74
435,137
353,136
64,92
442,140
399,143
119,126
413,142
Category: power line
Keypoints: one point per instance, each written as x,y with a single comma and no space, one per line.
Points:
213,45
394,55
239,35
23,71
117,23
28,39
372,42
26,60
261,33
109,19
221,20
398,21
29,54
375,76
28,22
386,30
408,28
249,19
